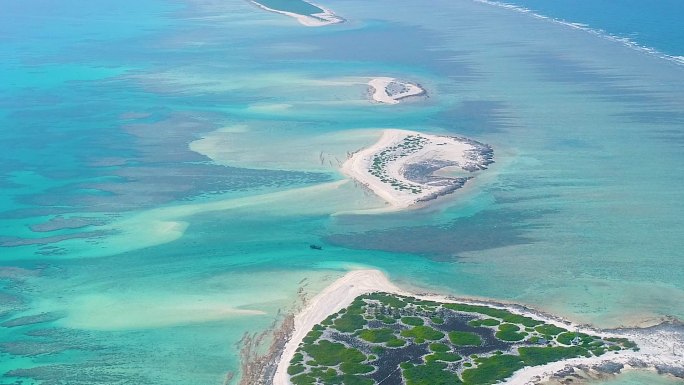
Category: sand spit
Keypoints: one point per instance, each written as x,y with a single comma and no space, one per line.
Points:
400,167
391,91
323,18
661,348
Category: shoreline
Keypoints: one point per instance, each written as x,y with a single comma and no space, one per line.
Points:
321,19
388,90
401,166
661,347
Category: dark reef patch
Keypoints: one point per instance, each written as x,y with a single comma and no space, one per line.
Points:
484,230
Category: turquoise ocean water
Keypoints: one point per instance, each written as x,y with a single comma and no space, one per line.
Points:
164,171
649,24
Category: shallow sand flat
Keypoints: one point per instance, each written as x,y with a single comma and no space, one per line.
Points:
166,224
399,167
660,347
390,90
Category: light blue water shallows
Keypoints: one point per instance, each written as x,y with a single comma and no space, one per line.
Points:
581,217
654,24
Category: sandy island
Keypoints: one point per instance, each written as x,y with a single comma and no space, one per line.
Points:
400,168
661,347
320,19
391,91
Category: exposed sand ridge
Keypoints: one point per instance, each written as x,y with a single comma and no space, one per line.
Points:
400,168
390,90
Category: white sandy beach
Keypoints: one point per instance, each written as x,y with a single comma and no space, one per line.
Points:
658,348
326,17
358,166
382,92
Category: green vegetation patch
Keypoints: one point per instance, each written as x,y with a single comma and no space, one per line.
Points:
624,342
432,373
443,356
312,336
412,321
533,356
492,369
549,330
348,322
386,299
570,338
296,358
355,368
509,332
465,338
295,369
326,355
329,376
423,333
484,322
377,335
438,347
332,353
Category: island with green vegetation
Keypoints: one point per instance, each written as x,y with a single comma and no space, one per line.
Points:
384,338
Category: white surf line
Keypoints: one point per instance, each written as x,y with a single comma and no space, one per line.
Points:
586,28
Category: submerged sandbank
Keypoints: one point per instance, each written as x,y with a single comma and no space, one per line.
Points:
659,348
318,19
400,168
391,91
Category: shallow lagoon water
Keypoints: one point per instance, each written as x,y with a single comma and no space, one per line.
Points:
580,216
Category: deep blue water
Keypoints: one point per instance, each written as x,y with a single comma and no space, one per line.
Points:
654,24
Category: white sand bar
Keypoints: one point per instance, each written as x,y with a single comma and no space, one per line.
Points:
391,91
659,347
400,167
320,19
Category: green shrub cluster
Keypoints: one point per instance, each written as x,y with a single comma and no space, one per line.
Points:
484,322
432,373
443,356
465,338
423,333
332,353
492,369
533,356
386,299
376,335
412,321
439,347
510,332
549,330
